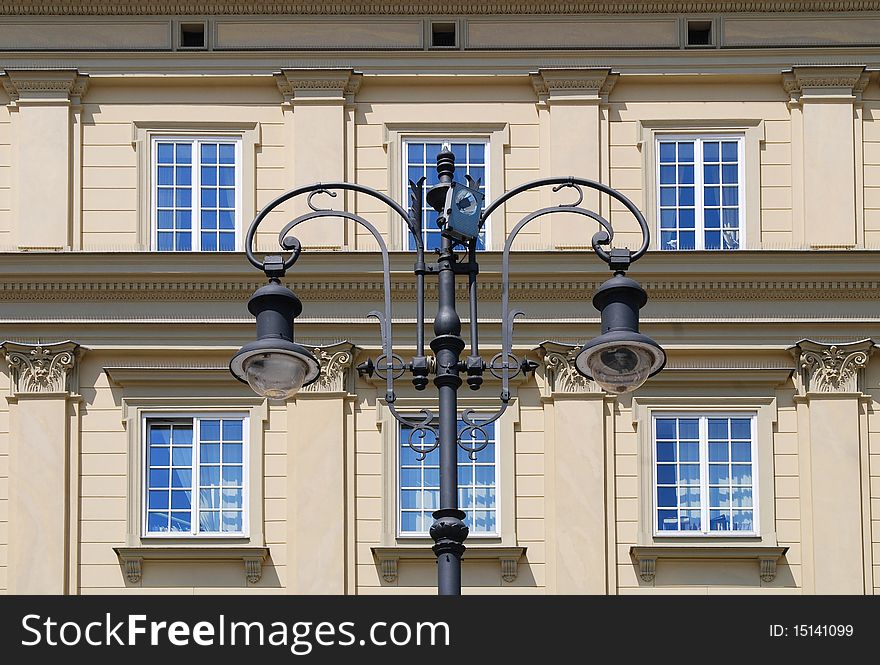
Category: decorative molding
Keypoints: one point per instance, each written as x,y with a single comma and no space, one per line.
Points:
767,557
590,84
133,569
388,558
336,368
768,569
45,85
95,289
318,86
830,368
509,568
253,569
824,81
253,558
393,7
560,373
389,569
41,368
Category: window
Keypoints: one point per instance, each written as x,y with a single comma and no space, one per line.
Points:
194,471
420,161
704,474
699,192
196,194
419,485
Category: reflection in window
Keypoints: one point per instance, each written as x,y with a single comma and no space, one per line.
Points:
700,193
419,484
421,162
704,469
195,476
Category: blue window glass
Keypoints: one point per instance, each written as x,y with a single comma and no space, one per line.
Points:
699,206
708,486
419,482
181,487
182,165
421,162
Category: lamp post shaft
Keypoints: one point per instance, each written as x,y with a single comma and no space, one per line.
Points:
448,529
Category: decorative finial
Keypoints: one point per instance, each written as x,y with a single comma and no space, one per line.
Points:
445,163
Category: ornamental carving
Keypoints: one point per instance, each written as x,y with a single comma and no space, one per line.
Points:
394,7
336,361
830,368
819,79
59,85
560,374
594,83
337,83
40,368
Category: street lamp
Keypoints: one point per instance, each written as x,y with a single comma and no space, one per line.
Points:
620,360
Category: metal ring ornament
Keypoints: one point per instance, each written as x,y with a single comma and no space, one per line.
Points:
513,368
397,366
473,426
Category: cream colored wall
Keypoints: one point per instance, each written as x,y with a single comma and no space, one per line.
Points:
104,501
6,240
692,105
110,161
460,105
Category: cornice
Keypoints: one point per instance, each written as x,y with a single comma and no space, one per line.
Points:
581,83
392,7
825,80
318,85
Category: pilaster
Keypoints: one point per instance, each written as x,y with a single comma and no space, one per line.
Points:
832,458
574,417
47,130
318,104
43,467
823,102
574,101
317,476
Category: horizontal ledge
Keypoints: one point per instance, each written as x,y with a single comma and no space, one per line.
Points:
128,376
707,552
425,552
192,553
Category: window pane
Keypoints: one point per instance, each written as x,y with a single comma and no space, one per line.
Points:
686,240
232,521
667,520
477,152
686,196
181,456
227,153
181,521
415,152
730,196
227,219
711,174
410,522
209,498
690,520
713,239
742,474
742,498
160,456
432,477
181,500
209,521
157,500
719,520
165,153
741,452
160,434
712,219
667,218
688,428
665,451
232,453
209,153
209,175
710,151
209,242
160,478
181,477
410,477
667,497
227,198
686,175
232,498
729,151
718,451
719,474
689,497
729,173
410,499
232,475
712,196
689,452
689,474
667,152
210,430
183,153
743,520
719,497
157,522
740,428
209,475
665,428
665,474
183,176
484,521
685,151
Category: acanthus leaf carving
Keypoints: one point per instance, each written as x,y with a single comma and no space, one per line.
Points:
830,368
560,373
336,361
41,368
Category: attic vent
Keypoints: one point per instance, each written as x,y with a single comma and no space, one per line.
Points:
699,33
443,35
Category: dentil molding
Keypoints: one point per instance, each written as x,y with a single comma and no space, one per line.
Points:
392,7
41,368
318,86
578,84
44,85
830,368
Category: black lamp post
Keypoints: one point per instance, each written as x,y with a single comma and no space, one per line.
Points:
620,360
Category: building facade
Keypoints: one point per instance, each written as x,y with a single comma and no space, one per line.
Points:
138,142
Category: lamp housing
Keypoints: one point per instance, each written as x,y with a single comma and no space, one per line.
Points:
274,365
621,359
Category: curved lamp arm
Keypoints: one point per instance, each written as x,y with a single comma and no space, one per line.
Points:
389,366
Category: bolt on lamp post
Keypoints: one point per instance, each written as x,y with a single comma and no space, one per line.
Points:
620,360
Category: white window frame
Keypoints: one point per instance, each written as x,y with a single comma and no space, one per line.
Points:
148,416
703,418
196,142
460,170
699,205
398,510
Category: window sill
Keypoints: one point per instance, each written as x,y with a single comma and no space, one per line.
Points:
767,557
507,557
132,558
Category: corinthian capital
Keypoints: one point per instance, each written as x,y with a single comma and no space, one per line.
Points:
40,368
336,361
560,374
830,368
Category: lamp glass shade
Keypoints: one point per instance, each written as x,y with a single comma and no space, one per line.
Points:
275,375
620,367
